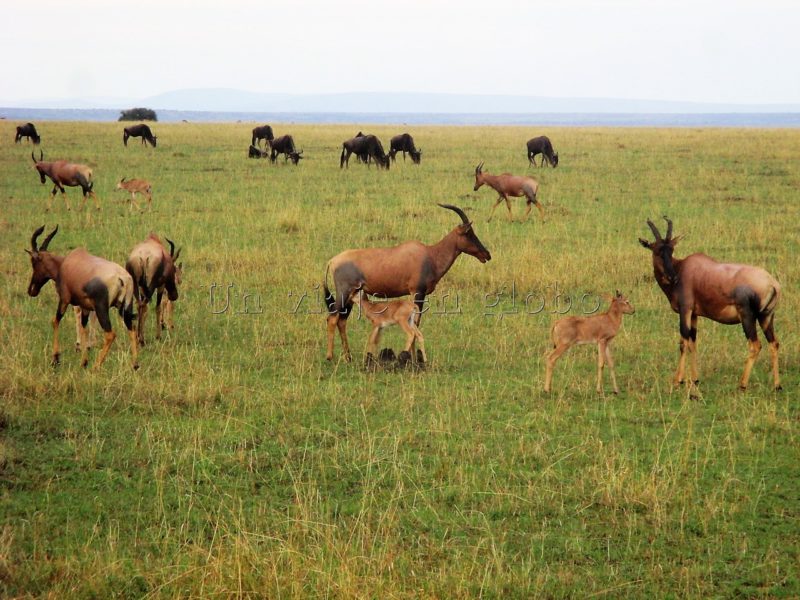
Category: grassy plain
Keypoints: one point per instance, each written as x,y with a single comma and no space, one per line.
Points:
238,462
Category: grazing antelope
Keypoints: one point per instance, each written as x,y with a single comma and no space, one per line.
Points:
599,329
728,293
63,173
27,131
404,143
137,186
385,314
88,282
410,268
262,133
153,270
541,145
142,131
509,185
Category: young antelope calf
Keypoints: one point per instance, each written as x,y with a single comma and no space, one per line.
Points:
599,329
137,186
385,314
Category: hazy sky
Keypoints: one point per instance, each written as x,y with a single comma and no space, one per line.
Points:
702,50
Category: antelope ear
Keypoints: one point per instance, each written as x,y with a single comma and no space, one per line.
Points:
645,243
28,251
674,241
618,294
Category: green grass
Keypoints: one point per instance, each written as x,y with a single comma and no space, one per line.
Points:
237,461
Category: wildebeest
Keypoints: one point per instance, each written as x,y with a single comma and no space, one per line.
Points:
541,145
88,282
597,329
410,268
255,152
404,143
142,131
282,145
365,146
63,173
137,186
153,270
728,293
27,131
507,185
264,132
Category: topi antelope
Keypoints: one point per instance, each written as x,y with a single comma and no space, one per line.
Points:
153,270
385,314
62,173
509,185
137,186
599,329
728,293
88,282
410,268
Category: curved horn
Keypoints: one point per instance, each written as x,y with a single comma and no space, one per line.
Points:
171,247
478,168
654,229
46,241
35,235
41,155
669,228
458,211
33,158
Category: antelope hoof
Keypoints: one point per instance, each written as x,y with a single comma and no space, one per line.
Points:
404,359
136,366
742,388
778,388
420,358
85,363
56,360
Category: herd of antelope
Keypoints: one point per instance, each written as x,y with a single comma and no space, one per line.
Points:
695,286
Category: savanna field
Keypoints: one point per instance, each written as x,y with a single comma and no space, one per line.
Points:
237,462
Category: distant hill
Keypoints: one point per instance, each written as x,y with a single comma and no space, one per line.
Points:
231,100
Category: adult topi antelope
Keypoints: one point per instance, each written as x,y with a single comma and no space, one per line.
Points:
153,270
507,185
410,268
88,282
597,329
728,293
63,173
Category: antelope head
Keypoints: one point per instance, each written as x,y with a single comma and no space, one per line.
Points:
41,262
478,177
173,272
662,249
468,242
37,165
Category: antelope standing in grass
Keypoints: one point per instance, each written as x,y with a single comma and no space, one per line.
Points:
507,185
88,282
63,173
410,268
153,270
385,314
137,186
728,293
597,329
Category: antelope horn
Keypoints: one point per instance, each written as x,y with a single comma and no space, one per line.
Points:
654,229
458,211
41,155
479,167
46,241
33,158
35,235
171,247
669,228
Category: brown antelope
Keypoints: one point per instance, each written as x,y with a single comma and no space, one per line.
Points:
88,282
153,270
410,268
169,305
385,314
137,186
507,185
599,329
62,173
728,293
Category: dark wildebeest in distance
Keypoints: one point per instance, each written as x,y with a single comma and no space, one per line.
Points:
90,283
728,293
541,145
365,147
256,152
63,173
264,132
404,143
27,131
284,145
153,270
142,131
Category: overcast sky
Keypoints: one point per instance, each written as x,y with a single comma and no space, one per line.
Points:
703,50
